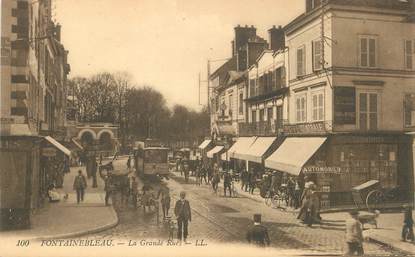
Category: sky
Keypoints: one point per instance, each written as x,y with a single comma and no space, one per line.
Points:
162,43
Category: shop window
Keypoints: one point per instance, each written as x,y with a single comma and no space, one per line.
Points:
301,61
409,54
317,55
270,114
409,110
261,115
279,117
253,116
318,106
301,105
367,51
368,111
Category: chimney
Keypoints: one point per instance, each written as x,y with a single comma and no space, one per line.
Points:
242,35
276,38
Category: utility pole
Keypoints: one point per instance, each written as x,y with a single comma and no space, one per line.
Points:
208,85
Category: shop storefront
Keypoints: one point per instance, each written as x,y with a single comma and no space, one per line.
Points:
337,163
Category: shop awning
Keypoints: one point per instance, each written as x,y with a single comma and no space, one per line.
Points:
215,150
293,154
256,151
77,144
240,146
204,144
58,145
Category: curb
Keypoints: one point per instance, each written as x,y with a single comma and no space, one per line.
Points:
84,232
383,242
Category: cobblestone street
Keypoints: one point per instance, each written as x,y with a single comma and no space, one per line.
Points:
217,219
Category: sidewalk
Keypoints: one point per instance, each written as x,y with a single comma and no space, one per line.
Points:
388,232
67,218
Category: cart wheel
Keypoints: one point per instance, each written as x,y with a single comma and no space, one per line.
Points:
374,200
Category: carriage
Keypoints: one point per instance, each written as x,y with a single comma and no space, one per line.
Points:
372,196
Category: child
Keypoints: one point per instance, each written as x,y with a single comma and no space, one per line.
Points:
408,222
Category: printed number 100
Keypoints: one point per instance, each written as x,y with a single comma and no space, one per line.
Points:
22,243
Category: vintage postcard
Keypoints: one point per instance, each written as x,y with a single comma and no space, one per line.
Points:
207,128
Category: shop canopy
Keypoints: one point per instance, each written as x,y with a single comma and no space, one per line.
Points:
204,144
215,150
291,156
77,144
240,146
58,145
257,150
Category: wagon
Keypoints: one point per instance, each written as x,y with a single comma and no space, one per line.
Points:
368,195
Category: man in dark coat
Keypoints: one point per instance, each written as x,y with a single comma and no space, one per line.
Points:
408,222
94,173
79,186
258,234
227,184
184,215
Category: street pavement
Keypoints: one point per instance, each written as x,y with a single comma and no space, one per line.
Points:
67,218
217,219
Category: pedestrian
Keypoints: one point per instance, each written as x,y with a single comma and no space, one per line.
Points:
227,183
408,222
354,235
215,181
243,179
203,175
79,185
100,158
291,191
164,196
183,215
94,173
252,182
129,162
198,177
186,171
297,195
258,234
210,173
108,183
134,190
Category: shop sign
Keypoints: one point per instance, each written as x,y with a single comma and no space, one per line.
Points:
322,170
306,128
345,105
48,151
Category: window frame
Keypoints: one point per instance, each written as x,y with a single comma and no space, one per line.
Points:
303,66
405,54
412,122
368,38
368,112
301,114
313,44
318,108
241,103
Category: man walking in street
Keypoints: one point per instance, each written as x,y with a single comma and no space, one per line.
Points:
408,222
258,234
227,182
184,215
79,186
164,196
354,235
94,173
108,183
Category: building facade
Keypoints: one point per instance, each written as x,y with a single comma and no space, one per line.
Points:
33,96
340,92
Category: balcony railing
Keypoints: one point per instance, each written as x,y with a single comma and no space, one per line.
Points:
262,128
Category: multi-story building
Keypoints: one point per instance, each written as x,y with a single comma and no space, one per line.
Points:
266,89
351,84
227,103
33,95
340,93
